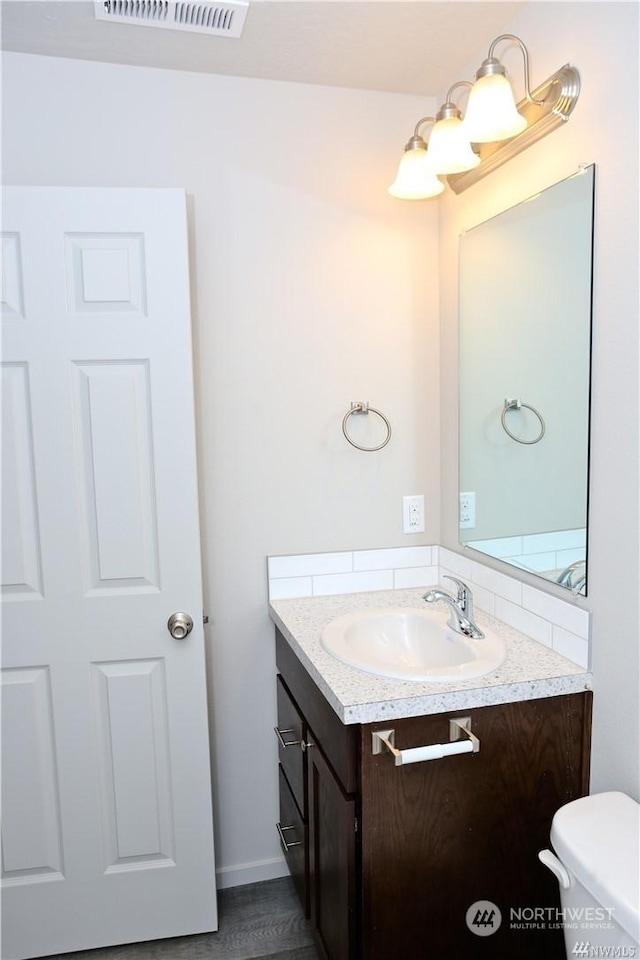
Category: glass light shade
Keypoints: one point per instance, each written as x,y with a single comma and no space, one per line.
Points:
491,112
415,179
449,149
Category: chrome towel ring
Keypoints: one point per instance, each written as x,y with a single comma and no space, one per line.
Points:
517,405
362,406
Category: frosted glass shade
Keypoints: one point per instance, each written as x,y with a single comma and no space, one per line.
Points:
449,149
491,112
415,179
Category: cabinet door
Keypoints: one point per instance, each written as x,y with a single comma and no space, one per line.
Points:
443,835
332,855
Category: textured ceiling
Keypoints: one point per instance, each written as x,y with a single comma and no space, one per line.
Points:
403,47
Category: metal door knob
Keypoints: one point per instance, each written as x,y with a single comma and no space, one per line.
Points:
180,625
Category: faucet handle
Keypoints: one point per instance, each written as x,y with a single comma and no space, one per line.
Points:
465,597
463,589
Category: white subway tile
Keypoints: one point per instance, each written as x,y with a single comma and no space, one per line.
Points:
352,582
561,612
461,566
565,557
572,647
535,562
393,557
288,588
502,547
484,599
309,564
415,577
556,540
524,621
498,583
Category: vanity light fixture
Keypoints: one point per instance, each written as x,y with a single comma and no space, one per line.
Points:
494,128
416,178
491,111
449,146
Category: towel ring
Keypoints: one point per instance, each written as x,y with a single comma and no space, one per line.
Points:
362,406
517,405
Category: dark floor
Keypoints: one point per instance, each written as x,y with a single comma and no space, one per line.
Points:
255,921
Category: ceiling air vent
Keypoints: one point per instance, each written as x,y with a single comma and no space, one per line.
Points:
217,19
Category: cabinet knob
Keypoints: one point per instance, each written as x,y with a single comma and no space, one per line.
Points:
306,745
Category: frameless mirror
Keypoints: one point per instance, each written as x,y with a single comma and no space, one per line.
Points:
525,355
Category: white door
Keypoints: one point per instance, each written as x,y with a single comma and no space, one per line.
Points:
107,830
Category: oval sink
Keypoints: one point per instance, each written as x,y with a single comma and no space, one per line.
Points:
411,644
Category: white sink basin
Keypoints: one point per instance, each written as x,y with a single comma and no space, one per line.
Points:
411,644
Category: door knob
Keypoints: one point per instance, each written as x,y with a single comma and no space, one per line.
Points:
180,625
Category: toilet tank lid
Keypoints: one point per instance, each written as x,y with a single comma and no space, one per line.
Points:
598,840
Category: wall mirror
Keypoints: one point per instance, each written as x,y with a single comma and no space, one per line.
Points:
525,356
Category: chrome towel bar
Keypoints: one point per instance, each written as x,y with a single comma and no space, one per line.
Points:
362,406
384,740
517,404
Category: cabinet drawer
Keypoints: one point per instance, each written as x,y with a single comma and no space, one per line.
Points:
292,731
336,740
294,841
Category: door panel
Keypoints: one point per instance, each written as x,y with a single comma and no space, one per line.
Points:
106,779
21,564
32,843
114,446
131,708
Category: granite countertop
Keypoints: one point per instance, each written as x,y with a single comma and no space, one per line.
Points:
531,671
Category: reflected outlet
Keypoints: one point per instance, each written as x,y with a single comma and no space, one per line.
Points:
467,511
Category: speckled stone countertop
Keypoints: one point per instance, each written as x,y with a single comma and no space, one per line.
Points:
530,672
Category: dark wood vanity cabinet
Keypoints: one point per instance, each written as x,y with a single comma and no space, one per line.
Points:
388,859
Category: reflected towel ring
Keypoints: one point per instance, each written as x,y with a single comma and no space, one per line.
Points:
362,406
517,405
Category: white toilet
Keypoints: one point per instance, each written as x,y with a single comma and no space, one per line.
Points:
597,862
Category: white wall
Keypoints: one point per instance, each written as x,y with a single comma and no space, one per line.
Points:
601,39
311,287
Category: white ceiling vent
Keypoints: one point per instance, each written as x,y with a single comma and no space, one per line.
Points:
217,19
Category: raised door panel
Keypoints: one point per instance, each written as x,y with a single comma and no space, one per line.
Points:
443,835
31,827
134,758
11,286
21,549
114,444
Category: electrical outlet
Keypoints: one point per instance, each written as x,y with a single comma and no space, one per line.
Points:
413,514
467,511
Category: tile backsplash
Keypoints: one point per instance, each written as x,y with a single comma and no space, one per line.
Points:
538,552
555,622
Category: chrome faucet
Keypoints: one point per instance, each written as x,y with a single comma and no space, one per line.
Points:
461,617
574,576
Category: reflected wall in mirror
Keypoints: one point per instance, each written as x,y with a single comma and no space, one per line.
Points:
525,357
